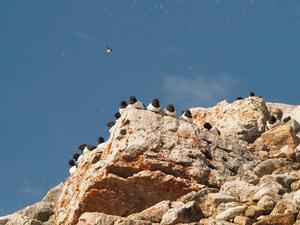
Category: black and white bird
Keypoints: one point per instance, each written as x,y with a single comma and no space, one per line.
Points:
72,167
207,126
76,157
83,148
91,147
272,122
170,110
123,106
187,116
133,102
110,124
252,94
117,115
108,49
154,105
101,142
212,129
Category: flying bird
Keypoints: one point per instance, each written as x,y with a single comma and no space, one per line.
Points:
108,49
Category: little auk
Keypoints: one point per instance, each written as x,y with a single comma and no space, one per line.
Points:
154,105
170,110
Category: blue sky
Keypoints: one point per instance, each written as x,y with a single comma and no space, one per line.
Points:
58,86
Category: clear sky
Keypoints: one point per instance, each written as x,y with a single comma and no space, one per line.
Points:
59,87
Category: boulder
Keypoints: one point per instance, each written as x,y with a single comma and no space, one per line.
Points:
153,214
190,212
95,218
244,119
282,219
280,136
254,211
243,220
213,200
267,203
270,165
239,189
231,213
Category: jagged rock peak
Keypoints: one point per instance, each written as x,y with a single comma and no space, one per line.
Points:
157,169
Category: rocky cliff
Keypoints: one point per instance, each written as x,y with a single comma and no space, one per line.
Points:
156,169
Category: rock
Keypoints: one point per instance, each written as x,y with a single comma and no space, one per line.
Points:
160,158
277,112
284,207
213,200
199,196
243,220
157,169
295,125
212,221
40,211
295,114
231,213
280,136
280,110
233,119
295,185
267,203
268,186
241,190
283,219
153,214
95,218
297,222
270,165
254,211
190,212
288,152
53,194
262,192
250,177
3,221
17,219
228,205
297,154
263,155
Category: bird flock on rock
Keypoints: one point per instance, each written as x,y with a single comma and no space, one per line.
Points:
153,106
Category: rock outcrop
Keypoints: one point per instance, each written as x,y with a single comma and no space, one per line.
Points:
244,119
156,169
